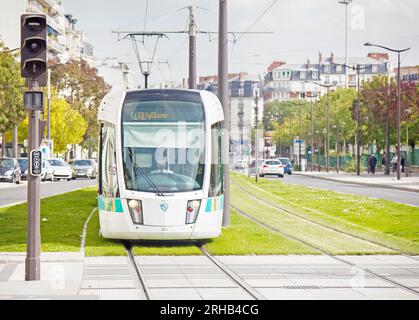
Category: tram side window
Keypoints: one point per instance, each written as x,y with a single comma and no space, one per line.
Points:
217,169
109,168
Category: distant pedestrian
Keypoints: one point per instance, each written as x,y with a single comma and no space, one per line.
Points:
373,164
403,163
394,163
369,164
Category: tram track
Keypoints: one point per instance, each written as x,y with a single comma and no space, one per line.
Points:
232,275
323,225
139,277
324,252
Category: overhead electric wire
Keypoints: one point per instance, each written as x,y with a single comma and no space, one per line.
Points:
257,20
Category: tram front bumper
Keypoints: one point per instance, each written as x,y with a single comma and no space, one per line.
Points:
120,227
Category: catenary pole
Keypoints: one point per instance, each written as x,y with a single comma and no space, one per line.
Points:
223,96
192,48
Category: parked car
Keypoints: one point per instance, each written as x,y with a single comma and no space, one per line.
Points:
287,163
61,169
24,167
272,168
10,170
241,164
47,171
84,169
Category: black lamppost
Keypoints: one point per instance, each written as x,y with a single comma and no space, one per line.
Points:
328,87
358,69
398,102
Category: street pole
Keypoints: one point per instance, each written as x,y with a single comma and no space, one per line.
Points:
399,141
320,148
328,131
299,138
257,139
192,48
387,164
32,263
346,3
313,152
358,124
49,104
223,96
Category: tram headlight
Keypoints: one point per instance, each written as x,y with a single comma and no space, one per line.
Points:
136,211
192,211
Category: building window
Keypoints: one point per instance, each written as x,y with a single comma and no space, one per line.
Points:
327,68
315,75
303,75
375,69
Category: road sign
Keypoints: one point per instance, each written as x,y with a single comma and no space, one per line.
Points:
35,163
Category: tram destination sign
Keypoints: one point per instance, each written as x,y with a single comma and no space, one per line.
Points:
35,163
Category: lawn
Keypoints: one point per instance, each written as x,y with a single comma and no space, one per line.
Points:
243,237
382,221
62,220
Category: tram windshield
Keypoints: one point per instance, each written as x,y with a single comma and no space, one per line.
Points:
163,141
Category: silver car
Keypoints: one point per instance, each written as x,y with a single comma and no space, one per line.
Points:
84,169
10,170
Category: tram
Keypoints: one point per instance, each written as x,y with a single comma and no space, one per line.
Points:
161,165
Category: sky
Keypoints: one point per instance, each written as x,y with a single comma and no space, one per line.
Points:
300,30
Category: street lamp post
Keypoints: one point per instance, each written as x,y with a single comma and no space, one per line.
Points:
312,137
328,87
346,3
368,44
358,69
319,147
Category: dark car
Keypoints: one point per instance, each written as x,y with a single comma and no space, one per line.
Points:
9,170
23,163
287,163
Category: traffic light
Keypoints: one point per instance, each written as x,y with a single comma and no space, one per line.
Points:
34,47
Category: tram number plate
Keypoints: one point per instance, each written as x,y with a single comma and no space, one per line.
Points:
35,164
164,229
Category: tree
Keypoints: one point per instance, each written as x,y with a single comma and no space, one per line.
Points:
67,125
83,89
377,97
11,92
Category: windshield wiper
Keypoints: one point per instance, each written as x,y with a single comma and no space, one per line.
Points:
151,183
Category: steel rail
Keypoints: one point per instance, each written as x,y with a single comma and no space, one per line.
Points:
326,253
232,275
140,277
289,212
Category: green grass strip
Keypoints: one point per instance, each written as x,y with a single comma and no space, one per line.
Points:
392,224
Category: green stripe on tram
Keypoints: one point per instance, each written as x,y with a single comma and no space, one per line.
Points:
110,205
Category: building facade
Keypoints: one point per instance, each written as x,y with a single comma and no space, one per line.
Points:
244,94
64,42
297,81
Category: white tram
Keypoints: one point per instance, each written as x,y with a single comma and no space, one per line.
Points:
160,164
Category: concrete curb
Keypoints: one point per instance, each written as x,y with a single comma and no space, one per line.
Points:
359,183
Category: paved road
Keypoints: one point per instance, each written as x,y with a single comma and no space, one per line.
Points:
399,196
405,197
12,194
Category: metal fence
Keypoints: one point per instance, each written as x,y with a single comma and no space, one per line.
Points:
348,162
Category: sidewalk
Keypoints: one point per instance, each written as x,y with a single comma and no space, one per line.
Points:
61,276
378,180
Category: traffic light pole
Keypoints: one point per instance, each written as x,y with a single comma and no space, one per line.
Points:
33,261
